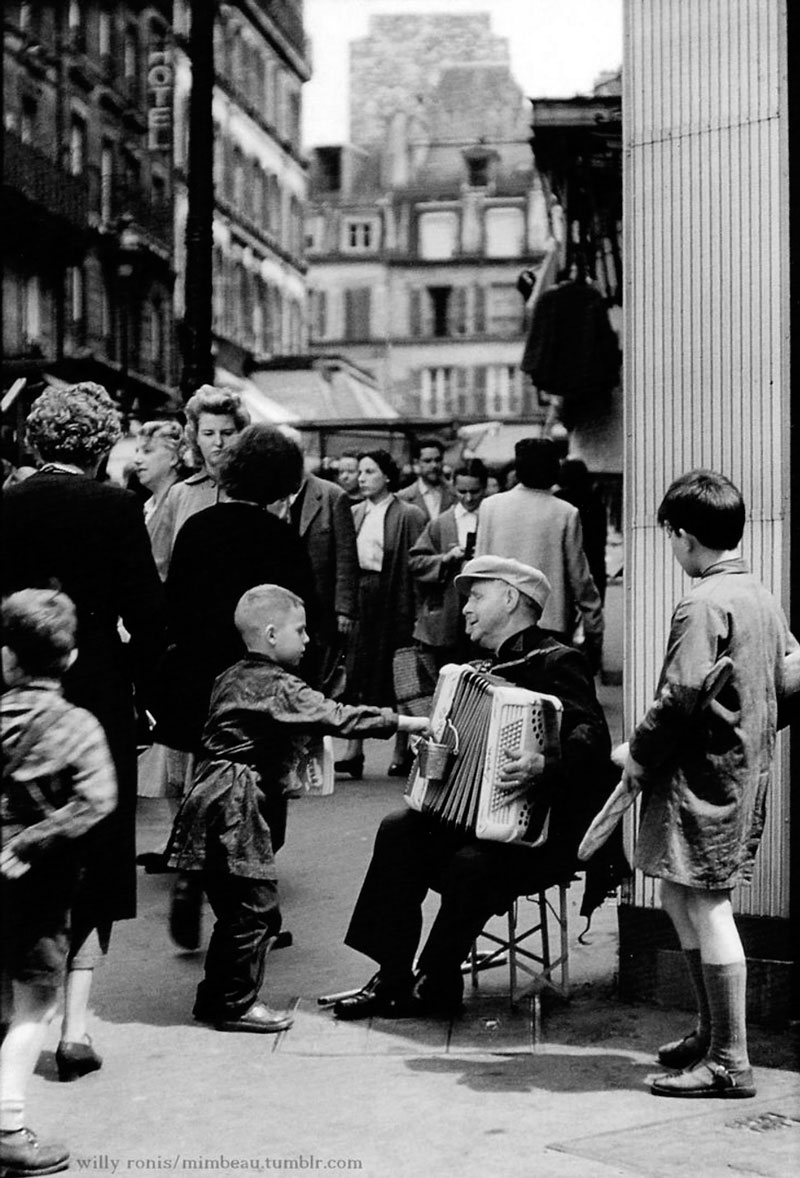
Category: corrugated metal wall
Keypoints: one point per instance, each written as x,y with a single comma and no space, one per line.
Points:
707,316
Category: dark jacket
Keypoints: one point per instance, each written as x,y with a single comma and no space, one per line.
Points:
90,537
325,526
413,495
586,775
233,819
219,553
439,620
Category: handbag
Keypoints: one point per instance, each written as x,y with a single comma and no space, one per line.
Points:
415,675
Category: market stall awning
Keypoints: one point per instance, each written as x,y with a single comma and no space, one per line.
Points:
322,389
261,407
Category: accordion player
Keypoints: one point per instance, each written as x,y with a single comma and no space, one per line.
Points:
455,776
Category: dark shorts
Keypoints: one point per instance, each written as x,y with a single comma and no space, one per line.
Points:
35,924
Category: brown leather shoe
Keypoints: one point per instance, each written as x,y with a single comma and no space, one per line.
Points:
259,1020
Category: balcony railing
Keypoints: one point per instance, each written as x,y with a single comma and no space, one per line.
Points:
119,201
43,182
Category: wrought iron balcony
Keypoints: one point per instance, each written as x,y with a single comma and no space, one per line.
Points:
41,182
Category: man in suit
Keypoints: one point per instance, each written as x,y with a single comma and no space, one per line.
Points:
530,524
322,516
436,559
430,492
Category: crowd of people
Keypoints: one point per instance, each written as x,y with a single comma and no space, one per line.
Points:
240,606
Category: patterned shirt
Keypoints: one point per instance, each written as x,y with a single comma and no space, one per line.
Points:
64,782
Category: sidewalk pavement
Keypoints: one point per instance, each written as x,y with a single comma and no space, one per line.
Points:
402,1099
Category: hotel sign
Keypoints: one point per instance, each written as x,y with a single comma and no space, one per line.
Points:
160,86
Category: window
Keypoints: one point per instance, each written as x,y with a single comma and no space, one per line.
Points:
77,146
440,298
357,313
75,294
501,389
318,312
106,179
506,310
359,235
77,33
505,233
27,121
31,310
478,171
438,235
436,392
104,33
130,62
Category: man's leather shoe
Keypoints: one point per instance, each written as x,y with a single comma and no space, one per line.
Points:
21,1153
430,999
378,999
259,1020
401,768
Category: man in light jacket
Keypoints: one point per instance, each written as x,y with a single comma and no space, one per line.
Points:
531,525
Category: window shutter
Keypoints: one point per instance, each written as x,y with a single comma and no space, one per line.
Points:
458,311
480,310
415,312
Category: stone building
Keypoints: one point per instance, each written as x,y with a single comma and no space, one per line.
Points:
418,228
260,178
87,201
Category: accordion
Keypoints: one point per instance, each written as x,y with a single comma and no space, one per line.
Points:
475,719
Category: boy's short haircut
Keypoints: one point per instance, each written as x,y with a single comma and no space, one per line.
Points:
708,506
262,605
39,626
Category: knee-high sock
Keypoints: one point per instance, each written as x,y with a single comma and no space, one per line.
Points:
695,967
726,987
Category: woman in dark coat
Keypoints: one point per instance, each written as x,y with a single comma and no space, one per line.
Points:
386,528
219,553
89,537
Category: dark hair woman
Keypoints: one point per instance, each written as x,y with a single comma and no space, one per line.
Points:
386,528
64,527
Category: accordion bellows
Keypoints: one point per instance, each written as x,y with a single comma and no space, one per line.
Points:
480,717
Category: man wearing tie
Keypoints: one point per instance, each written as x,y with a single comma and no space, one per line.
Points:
435,561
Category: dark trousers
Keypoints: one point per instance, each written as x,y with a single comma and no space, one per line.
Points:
247,915
475,878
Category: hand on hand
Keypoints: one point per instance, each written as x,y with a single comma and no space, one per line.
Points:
518,773
11,866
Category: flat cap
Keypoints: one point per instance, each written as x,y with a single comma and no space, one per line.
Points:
528,580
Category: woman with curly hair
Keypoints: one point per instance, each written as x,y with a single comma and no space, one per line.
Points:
63,527
386,528
214,418
158,465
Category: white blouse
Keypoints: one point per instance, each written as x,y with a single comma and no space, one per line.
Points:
369,540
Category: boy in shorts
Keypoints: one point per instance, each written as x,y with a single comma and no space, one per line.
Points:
233,820
58,781
705,771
